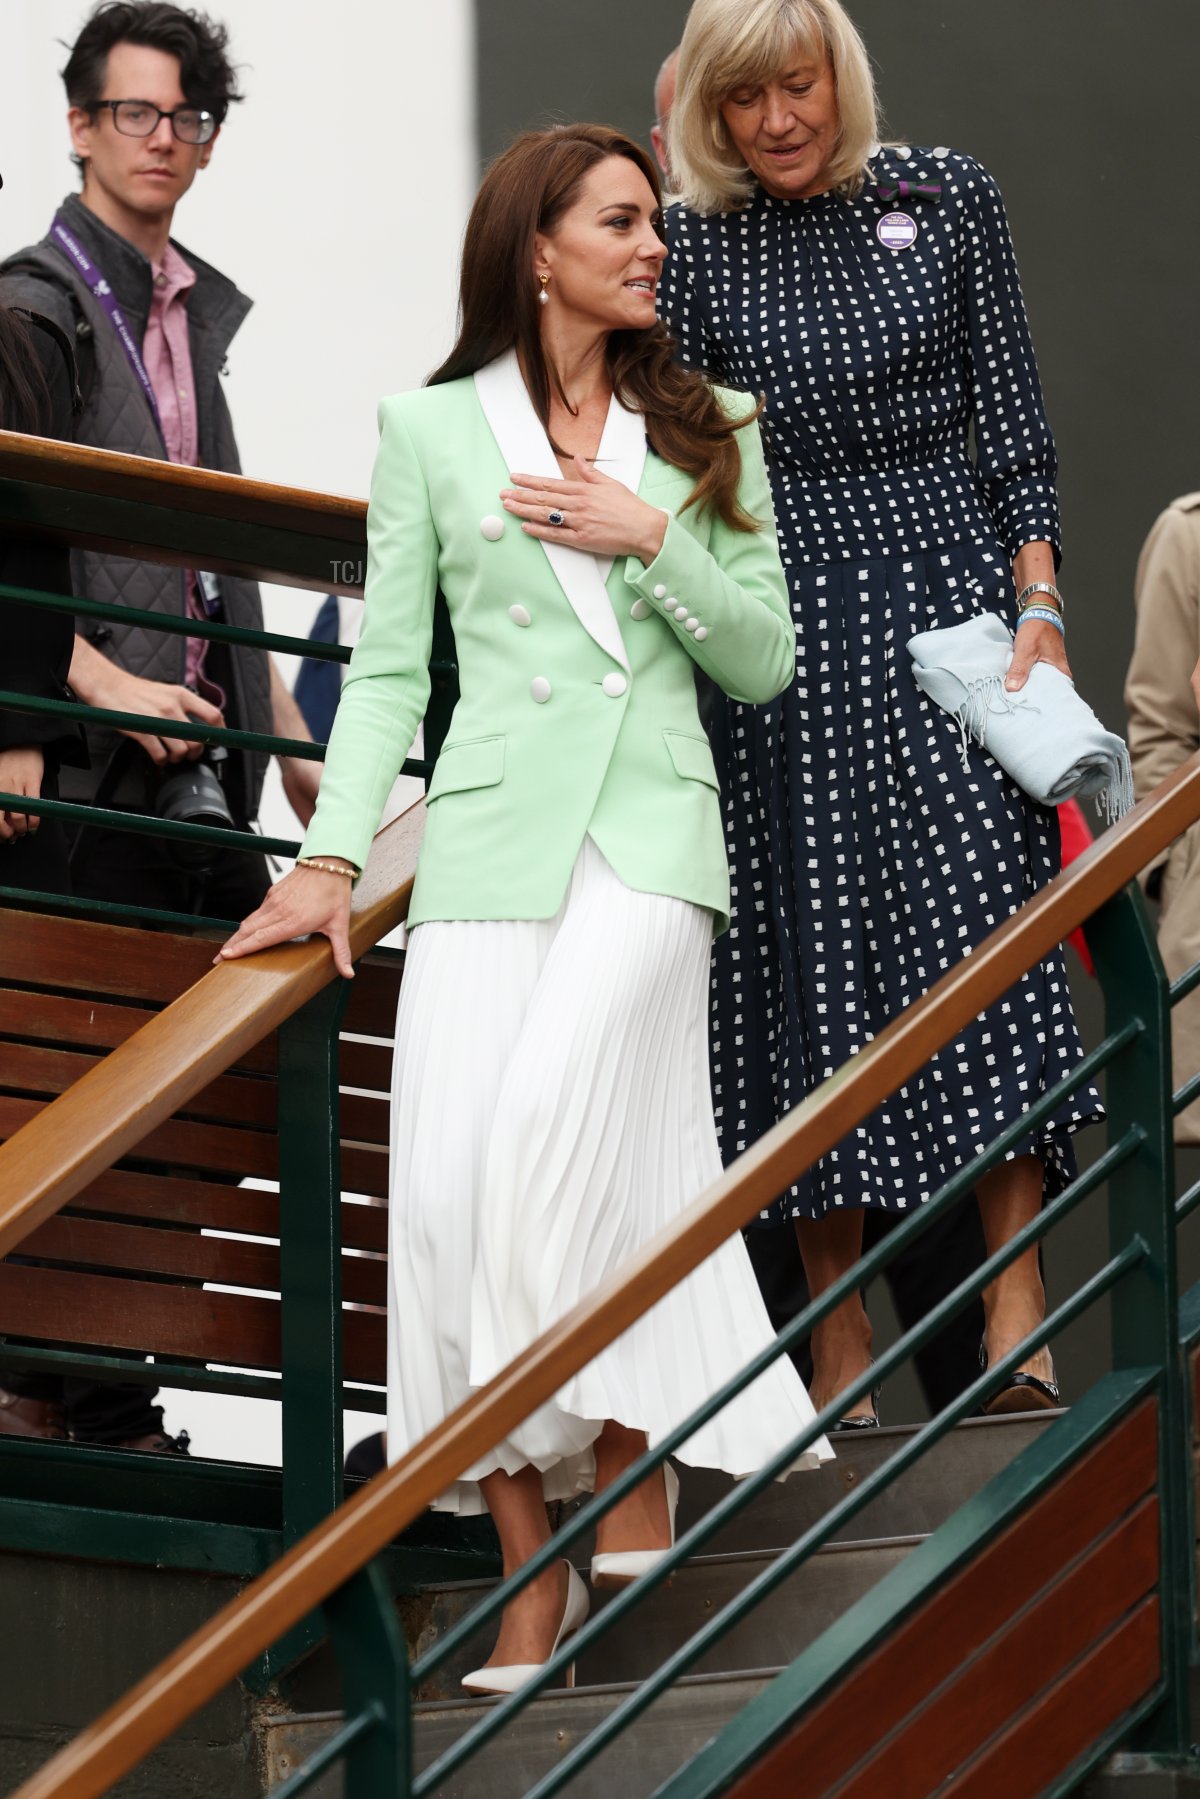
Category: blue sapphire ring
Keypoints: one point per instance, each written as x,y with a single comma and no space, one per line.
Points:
555,517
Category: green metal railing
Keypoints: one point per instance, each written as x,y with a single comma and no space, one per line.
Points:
1189,1308
211,1518
1132,1181
1136,1277
149,824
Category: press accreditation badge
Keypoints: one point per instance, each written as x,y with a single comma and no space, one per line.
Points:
210,589
897,231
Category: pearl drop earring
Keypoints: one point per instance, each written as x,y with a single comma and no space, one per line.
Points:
544,297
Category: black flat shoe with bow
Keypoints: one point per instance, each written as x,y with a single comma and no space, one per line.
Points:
1020,1393
868,1423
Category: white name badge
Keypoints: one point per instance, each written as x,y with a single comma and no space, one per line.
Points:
897,231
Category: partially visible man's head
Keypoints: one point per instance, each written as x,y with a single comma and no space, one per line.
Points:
170,58
664,100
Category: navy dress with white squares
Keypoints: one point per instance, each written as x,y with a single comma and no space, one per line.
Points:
910,458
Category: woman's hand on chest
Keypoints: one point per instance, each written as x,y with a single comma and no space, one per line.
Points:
589,512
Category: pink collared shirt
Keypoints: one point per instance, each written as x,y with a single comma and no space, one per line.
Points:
167,354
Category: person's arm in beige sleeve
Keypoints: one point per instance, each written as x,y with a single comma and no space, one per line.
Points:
1164,720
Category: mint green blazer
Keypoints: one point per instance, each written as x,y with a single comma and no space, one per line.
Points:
578,710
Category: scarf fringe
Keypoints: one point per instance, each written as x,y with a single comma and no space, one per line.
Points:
1115,798
987,695
971,716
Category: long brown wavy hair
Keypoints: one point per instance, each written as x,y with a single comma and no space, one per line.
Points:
526,190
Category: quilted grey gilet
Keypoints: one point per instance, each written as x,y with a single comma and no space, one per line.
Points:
116,416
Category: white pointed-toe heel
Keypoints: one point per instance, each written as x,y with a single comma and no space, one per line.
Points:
508,1679
618,1569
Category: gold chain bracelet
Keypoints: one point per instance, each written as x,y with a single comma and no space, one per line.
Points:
329,868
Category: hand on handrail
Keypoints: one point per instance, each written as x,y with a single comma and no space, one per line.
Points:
306,902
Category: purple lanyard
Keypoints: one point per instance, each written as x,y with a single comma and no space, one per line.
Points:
102,292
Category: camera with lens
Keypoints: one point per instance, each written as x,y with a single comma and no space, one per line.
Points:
192,793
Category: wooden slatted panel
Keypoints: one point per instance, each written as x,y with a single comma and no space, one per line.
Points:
225,1150
151,1318
93,1024
104,983
147,967
254,1211
79,956
365,1171
175,1199
1076,1712
188,1255
365,1118
90,1024
366,1065
217,1147
927,1654
1010,1673
230,1099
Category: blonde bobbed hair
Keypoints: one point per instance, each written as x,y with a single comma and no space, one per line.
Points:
732,44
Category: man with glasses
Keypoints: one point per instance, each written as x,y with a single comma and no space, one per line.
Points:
149,86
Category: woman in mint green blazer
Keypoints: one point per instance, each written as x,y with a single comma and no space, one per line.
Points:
599,520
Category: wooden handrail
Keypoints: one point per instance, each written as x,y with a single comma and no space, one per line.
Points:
164,512
337,1549
156,1071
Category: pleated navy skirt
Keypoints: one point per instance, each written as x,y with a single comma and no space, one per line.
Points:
866,861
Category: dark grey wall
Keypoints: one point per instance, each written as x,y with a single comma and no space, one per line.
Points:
1085,112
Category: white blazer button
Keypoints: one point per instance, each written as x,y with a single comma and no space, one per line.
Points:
904,152
670,603
689,624
941,152
701,633
660,592
519,615
640,609
681,613
539,687
492,527
614,685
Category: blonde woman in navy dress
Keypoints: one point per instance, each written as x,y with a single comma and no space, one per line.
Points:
871,295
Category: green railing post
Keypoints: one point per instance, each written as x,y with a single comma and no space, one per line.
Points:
310,1278
373,1660
1145,1307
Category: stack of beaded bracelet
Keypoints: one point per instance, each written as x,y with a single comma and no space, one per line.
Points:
1048,613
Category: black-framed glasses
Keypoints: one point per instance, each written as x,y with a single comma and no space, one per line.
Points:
139,118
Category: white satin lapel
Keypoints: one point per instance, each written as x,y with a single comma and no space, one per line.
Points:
526,450
622,454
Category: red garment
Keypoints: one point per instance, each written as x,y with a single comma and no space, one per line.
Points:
1076,837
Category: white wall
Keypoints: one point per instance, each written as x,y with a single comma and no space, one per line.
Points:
336,199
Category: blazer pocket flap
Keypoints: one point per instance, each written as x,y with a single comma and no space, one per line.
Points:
692,757
477,763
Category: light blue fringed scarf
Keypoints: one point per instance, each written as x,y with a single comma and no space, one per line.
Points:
1046,737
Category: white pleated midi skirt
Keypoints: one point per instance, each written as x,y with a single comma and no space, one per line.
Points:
551,1112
